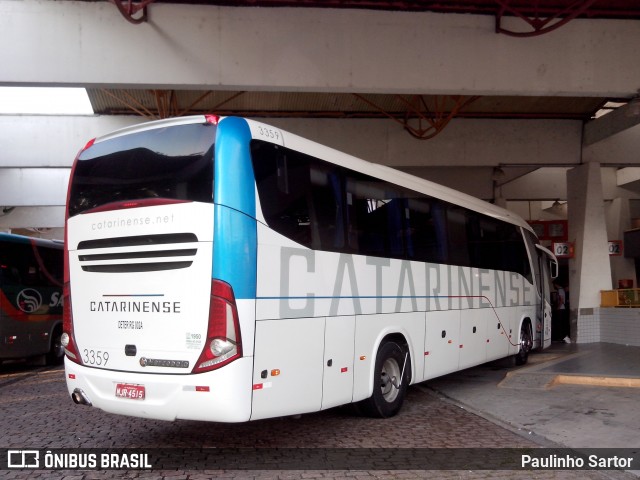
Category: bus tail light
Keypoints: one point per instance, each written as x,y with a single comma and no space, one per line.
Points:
223,344
68,338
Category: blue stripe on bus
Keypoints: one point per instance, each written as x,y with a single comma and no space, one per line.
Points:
235,231
234,182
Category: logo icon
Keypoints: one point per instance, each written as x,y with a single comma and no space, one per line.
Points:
29,300
23,459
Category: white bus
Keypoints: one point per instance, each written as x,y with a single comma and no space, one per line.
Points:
225,270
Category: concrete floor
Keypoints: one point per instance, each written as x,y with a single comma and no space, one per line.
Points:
581,412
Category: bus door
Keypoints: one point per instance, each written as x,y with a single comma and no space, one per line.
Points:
546,268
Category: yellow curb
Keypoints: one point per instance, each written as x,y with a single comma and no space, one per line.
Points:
596,381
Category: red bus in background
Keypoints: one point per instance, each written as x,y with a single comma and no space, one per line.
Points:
31,271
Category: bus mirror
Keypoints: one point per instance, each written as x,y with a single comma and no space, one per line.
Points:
553,261
553,267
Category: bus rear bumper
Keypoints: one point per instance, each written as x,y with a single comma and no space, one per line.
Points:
223,395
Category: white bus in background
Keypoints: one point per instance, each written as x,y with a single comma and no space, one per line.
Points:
221,269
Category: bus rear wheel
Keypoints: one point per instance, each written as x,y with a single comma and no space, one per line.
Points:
56,352
390,382
526,343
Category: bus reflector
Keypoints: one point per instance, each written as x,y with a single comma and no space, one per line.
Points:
212,119
89,144
223,344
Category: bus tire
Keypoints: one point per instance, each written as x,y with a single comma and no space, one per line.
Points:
56,352
525,342
389,390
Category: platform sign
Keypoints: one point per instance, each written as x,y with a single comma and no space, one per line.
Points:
615,248
563,249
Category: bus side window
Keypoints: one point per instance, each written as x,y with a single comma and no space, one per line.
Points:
49,266
17,271
283,185
327,208
457,236
426,231
32,276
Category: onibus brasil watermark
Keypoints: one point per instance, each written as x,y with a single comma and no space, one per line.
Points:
267,458
80,460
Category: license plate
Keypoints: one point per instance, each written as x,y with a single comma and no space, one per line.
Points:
134,392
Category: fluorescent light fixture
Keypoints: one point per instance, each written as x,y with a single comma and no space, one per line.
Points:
608,108
44,101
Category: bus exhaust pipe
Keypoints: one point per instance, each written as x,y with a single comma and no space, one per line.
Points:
80,398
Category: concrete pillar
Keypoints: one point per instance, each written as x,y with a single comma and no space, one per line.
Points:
590,269
619,220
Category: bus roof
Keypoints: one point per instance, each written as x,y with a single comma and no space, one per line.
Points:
40,242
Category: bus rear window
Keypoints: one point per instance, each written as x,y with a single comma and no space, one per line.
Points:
175,162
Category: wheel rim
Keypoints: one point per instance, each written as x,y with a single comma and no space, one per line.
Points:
390,380
526,341
57,348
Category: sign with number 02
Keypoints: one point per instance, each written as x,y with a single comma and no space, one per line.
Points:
615,247
563,249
